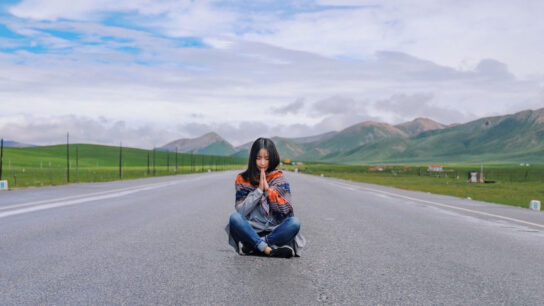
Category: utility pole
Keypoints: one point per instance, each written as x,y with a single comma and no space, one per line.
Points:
68,157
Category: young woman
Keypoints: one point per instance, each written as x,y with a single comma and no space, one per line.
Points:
264,222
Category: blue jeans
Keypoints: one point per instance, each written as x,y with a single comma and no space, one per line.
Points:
241,230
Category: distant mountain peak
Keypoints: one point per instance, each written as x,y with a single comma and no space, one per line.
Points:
15,144
536,116
211,136
539,115
391,130
419,125
370,123
209,143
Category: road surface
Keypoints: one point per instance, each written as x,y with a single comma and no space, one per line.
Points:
162,241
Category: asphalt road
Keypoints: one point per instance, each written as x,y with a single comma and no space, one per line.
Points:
162,241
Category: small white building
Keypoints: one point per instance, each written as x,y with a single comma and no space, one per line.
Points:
435,168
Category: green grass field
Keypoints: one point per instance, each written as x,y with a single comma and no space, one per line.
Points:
41,166
514,185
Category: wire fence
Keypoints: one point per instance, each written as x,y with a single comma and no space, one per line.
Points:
61,164
496,173
502,174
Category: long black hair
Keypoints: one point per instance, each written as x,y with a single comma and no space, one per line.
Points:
252,173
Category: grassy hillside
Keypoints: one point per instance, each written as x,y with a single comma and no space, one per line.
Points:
217,148
351,138
38,166
502,139
506,139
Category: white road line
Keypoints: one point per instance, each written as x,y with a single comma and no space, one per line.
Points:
52,203
74,197
94,194
64,203
438,204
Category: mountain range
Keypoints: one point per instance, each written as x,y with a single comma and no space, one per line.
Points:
516,138
510,138
15,144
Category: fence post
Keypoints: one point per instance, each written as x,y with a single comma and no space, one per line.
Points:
168,162
1,156
77,163
68,157
154,172
15,175
176,159
120,161
148,171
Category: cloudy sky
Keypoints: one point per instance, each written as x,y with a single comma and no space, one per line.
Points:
146,72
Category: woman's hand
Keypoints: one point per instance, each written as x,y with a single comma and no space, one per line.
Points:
261,178
263,184
264,181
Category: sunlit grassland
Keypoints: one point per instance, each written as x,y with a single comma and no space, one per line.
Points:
47,165
513,184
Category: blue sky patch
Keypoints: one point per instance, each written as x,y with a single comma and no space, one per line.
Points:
122,20
6,4
189,42
131,50
6,32
144,63
61,34
31,49
116,39
284,9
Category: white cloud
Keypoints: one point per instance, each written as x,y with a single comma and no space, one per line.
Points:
172,18
47,130
89,9
232,88
311,71
293,108
452,33
401,108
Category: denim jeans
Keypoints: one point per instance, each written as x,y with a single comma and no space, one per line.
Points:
283,234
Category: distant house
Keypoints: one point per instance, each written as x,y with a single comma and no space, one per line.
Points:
435,168
475,177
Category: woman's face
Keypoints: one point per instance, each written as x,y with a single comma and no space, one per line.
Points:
262,159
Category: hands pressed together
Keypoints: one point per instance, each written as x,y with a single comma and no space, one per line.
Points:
263,184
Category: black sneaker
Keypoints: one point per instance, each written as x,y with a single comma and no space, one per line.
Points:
244,250
283,251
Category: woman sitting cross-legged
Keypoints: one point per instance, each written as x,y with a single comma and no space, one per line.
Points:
264,221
